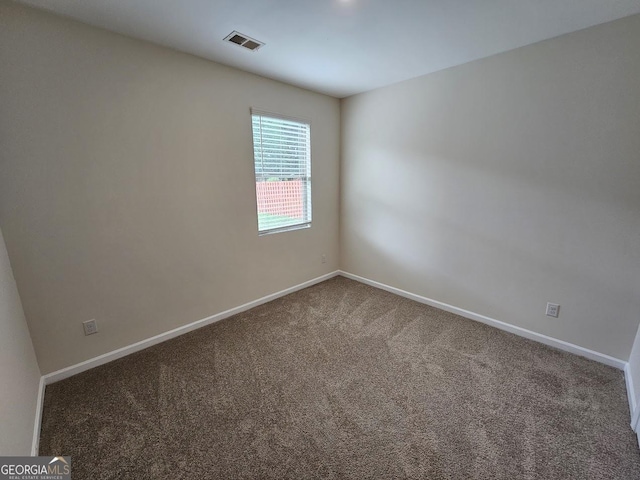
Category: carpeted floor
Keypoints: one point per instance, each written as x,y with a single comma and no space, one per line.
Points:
342,380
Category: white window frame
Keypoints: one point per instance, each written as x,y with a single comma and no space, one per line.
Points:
307,200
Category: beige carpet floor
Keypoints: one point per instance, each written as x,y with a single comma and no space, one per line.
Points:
342,380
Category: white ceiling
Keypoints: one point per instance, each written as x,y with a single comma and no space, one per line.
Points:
343,47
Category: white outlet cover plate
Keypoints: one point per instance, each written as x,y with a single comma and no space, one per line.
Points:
553,310
90,327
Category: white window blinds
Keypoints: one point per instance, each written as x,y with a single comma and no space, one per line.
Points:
282,159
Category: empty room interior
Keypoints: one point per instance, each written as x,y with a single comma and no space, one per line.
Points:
359,239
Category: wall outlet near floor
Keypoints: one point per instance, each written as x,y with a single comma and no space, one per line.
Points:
323,258
90,327
553,310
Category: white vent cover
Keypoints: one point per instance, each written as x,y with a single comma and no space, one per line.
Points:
242,40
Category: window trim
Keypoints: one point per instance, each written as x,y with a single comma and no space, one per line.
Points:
290,228
267,113
299,226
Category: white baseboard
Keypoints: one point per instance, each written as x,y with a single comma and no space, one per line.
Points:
522,332
38,420
124,351
128,350
136,347
631,395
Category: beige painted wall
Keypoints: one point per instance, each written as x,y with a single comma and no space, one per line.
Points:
506,183
19,372
127,188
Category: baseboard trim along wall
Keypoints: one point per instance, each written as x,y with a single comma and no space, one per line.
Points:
124,351
37,424
631,394
67,372
176,332
522,332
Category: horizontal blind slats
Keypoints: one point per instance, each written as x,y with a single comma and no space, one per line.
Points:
282,170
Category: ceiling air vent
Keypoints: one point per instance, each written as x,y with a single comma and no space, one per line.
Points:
242,40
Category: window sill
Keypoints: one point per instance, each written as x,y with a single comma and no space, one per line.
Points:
301,226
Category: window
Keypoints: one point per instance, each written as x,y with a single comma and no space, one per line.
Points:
282,159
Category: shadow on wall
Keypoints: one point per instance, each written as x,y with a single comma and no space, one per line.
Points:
436,229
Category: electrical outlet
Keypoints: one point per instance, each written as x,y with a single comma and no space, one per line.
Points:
324,258
90,327
553,310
